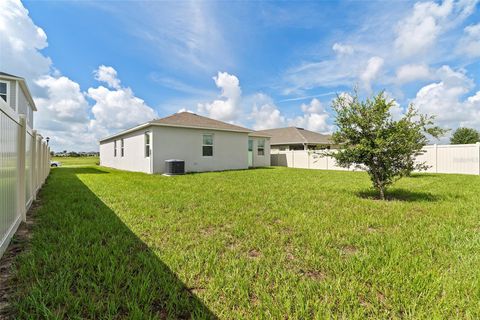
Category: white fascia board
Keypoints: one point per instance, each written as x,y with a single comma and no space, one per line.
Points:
121,133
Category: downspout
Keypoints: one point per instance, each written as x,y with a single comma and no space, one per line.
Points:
151,149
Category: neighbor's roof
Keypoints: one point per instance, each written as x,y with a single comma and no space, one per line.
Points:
23,85
294,135
186,120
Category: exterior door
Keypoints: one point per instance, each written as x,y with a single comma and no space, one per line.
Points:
250,152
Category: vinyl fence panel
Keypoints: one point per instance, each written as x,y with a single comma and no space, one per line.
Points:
462,158
24,166
9,217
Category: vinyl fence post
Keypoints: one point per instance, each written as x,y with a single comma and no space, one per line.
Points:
435,149
38,181
34,164
478,152
22,132
48,162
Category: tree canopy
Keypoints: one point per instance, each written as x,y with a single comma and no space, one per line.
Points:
372,140
465,136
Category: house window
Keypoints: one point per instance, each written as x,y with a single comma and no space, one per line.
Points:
115,148
207,147
122,145
261,147
147,144
4,90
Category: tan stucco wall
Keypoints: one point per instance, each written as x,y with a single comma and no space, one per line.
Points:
229,150
134,153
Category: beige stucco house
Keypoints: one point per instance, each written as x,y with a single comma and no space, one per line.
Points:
204,144
293,138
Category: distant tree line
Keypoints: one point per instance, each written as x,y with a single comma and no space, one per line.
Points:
465,136
66,153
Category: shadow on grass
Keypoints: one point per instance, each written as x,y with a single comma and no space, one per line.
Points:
399,195
84,262
417,175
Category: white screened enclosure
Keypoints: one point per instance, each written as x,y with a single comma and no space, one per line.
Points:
24,166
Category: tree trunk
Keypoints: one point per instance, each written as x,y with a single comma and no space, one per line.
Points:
382,192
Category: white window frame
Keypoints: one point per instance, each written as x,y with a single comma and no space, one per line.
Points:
8,92
114,148
147,146
208,145
122,148
261,147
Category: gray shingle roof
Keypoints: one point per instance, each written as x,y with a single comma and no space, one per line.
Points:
9,75
294,135
187,119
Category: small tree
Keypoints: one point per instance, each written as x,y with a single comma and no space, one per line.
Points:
370,139
465,136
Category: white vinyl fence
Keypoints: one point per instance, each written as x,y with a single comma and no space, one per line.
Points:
456,158
24,166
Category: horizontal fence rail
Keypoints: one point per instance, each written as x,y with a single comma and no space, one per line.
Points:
24,167
456,158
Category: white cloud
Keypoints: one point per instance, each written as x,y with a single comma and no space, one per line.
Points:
185,34
444,99
396,111
20,44
107,75
118,109
315,117
424,35
260,109
412,72
419,31
327,73
228,107
371,71
265,113
64,102
470,42
65,115
342,48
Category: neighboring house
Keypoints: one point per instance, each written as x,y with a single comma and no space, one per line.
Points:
14,91
24,156
204,144
293,138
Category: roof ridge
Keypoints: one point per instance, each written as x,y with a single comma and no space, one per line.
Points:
186,118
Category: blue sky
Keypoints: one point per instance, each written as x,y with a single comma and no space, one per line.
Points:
259,64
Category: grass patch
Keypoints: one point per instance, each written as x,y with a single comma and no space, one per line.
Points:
265,243
77,161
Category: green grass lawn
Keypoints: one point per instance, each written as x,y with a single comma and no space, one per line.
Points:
267,243
76,161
